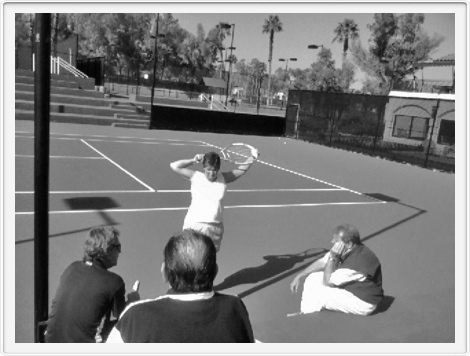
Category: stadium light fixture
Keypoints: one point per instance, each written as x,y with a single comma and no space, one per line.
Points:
287,61
314,46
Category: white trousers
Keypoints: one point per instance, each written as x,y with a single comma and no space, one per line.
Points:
214,230
316,296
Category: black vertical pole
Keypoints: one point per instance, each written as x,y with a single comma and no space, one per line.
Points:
380,118
230,64
434,115
42,79
155,61
153,112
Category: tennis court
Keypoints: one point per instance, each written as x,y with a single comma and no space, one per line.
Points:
278,219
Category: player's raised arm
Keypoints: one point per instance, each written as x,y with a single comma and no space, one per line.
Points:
236,173
181,166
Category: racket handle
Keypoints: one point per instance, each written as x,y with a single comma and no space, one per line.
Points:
136,286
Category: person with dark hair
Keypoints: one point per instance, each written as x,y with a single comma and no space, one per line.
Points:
89,298
205,214
190,311
347,279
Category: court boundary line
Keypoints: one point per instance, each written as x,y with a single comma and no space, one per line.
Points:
93,211
107,136
183,143
304,175
117,165
337,187
68,157
87,191
181,191
258,190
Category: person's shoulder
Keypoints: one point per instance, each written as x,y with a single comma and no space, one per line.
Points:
115,276
75,266
367,251
142,306
228,298
197,175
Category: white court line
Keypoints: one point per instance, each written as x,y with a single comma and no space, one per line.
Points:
89,191
112,137
304,176
148,143
164,142
179,191
117,165
186,208
68,157
258,190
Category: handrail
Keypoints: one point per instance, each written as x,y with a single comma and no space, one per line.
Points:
213,103
71,68
57,62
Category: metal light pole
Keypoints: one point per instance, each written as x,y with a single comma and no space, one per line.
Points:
314,46
155,59
287,63
230,58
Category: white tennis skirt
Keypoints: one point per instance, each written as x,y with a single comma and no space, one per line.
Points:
214,230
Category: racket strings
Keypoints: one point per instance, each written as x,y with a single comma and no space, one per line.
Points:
237,153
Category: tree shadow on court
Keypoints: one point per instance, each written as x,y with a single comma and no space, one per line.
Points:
97,204
274,265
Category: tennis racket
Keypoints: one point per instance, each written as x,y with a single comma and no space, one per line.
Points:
239,153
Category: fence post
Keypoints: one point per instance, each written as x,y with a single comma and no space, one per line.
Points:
434,115
380,117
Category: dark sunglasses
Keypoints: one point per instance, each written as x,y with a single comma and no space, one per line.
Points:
118,247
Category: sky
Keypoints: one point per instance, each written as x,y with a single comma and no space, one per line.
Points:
302,29
304,23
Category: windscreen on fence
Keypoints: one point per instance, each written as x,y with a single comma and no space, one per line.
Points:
389,127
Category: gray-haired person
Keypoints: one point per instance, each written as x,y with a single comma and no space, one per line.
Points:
89,298
190,311
347,279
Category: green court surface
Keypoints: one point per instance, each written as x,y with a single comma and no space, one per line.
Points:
278,219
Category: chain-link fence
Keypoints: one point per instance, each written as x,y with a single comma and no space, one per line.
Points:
413,130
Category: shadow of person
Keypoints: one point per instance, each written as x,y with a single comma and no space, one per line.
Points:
274,265
384,304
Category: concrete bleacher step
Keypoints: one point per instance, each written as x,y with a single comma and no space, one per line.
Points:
77,109
132,117
63,91
80,119
54,83
83,83
65,99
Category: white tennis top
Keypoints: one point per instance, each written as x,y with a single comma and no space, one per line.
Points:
206,199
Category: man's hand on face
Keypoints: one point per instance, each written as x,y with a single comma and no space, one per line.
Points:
338,249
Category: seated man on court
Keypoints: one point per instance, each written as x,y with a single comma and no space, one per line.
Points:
347,279
89,296
190,311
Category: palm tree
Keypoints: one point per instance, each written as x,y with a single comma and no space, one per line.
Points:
345,31
271,25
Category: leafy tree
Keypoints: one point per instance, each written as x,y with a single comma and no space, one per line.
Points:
345,31
23,27
324,76
271,25
398,42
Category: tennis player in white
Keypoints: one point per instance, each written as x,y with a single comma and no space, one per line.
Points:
205,214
